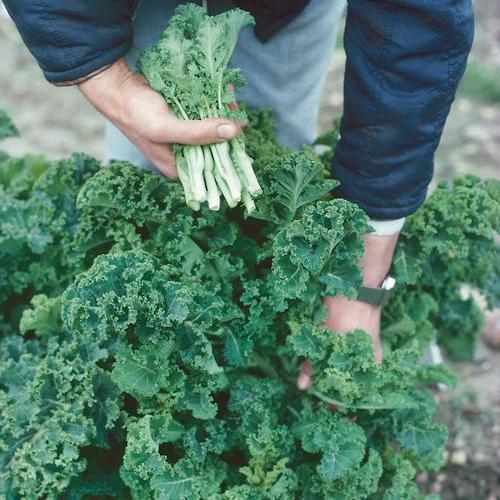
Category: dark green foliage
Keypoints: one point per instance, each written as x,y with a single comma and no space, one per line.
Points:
40,227
149,351
49,412
261,141
17,175
443,247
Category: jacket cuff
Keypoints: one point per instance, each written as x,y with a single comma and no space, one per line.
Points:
77,75
381,198
73,40
387,227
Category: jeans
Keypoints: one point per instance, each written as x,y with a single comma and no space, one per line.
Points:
286,73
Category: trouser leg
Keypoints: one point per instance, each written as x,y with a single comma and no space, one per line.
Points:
288,72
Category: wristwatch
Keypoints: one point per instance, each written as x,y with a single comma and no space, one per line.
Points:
377,296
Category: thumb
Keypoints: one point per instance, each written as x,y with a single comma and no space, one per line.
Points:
200,132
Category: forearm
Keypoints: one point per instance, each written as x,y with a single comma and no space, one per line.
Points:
377,259
106,89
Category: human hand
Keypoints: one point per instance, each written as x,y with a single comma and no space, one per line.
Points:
345,315
142,114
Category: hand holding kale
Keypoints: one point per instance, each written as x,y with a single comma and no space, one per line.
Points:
189,68
142,115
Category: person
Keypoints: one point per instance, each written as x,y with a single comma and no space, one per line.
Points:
404,61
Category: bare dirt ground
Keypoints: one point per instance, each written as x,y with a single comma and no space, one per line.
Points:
472,414
57,121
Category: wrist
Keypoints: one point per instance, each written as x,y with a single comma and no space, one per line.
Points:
104,89
377,260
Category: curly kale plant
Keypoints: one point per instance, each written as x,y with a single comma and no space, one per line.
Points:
150,352
189,68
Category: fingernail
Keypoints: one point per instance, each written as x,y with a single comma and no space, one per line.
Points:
226,131
302,381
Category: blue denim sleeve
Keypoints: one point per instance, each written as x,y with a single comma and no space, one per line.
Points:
72,39
404,61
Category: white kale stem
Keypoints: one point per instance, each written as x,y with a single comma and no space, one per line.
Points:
182,170
195,162
244,163
241,162
192,176
222,167
220,151
179,106
213,195
219,91
245,195
247,201
224,189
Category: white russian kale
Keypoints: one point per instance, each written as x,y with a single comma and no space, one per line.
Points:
189,68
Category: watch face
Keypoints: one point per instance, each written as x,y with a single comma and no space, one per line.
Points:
389,283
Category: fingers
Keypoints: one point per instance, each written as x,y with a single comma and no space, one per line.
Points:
304,380
161,155
164,159
150,116
198,132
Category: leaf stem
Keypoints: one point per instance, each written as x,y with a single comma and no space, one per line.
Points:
293,411
361,406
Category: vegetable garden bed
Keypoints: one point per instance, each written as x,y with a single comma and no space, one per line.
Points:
150,351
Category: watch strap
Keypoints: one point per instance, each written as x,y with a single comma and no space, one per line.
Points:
377,296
